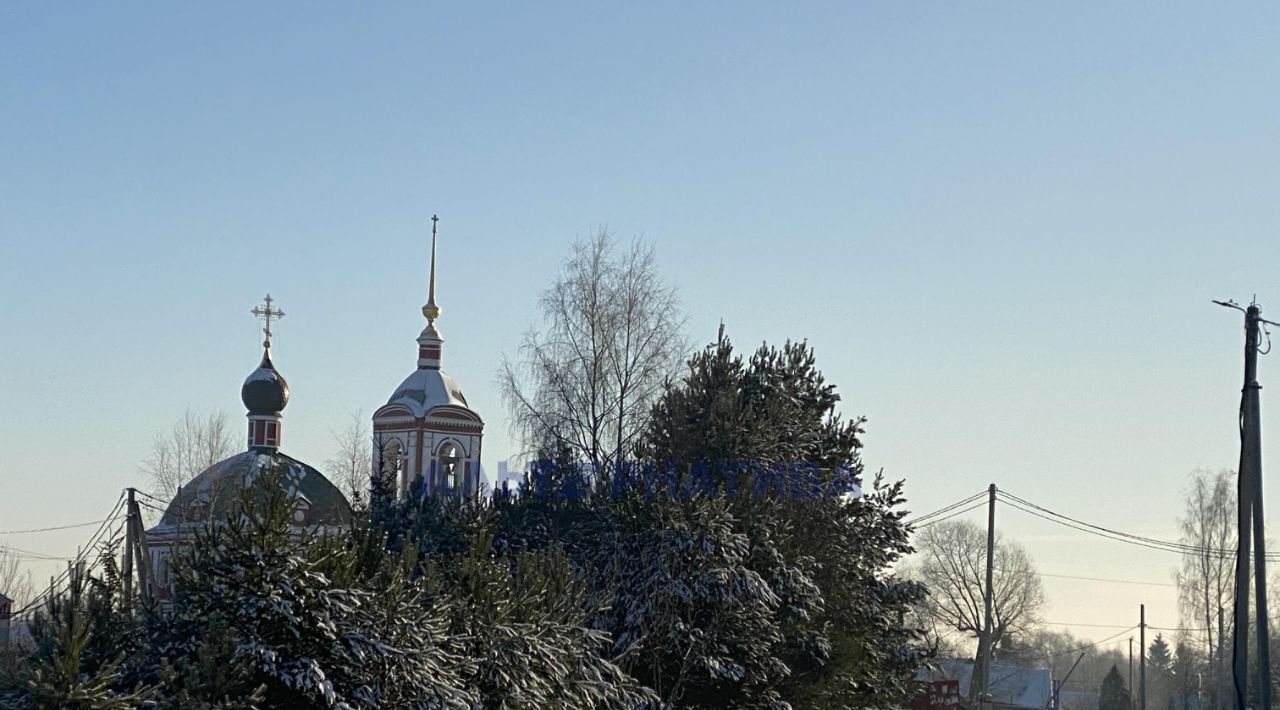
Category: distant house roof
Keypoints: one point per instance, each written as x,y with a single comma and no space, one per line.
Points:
1011,685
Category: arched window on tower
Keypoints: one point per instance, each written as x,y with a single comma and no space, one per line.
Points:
449,457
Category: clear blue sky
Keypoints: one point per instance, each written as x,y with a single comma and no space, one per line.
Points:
999,224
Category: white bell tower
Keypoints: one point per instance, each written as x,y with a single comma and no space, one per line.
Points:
426,440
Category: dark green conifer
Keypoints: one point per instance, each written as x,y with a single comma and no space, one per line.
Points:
1114,695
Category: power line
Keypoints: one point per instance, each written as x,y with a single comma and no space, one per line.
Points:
148,495
1092,626
58,527
48,593
1095,643
1148,541
979,504
30,555
1183,629
1088,530
1098,528
965,501
1151,543
1114,581
149,506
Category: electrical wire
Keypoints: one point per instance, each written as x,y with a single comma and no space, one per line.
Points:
58,527
149,506
1113,581
1088,624
1095,643
1099,528
944,509
53,586
981,504
1086,529
965,501
1153,543
150,497
30,555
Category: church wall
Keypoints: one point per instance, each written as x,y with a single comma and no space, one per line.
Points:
420,444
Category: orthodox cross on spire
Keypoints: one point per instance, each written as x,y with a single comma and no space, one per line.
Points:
431,310
266,313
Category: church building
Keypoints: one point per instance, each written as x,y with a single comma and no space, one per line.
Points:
214,494
426,439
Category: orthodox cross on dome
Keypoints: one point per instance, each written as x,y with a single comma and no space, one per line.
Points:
266,313
431,310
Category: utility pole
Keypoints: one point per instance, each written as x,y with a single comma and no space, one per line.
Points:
1219,674
987,597
127,562
1252,438
1131,671
1249,519
1142,656
136,551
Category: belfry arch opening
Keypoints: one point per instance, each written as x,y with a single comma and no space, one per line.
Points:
449,464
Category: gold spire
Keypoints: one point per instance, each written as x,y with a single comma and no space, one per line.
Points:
431,310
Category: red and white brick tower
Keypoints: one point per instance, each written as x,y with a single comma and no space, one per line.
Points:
425,438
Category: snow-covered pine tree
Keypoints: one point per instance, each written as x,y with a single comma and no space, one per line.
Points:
524,618
256,615
517,607
85,642
825,557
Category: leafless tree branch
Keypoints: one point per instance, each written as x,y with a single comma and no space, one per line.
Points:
587,379
351,462
196,442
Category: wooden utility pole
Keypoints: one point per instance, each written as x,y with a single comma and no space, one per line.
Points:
127,562
1219,673
1130,671
987,598
135,551
1250,523
1240,622
1252,441
1142,656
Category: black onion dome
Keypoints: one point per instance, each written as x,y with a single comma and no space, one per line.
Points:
264,390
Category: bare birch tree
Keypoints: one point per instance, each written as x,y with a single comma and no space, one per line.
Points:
351,462
953,566
1206,582
587,379
15,582
196,442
